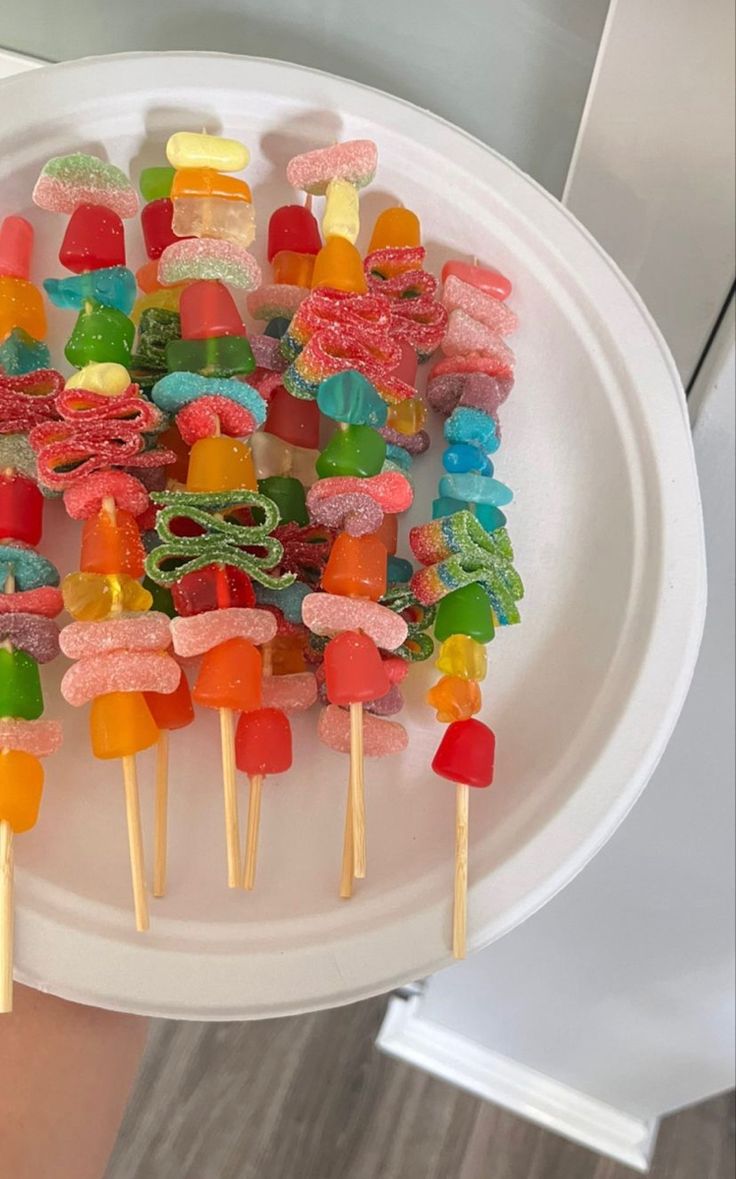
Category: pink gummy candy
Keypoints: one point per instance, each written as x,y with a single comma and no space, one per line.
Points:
465,334
380,737
328,614
391,490
290,693
214,414
274,300
498,362
396,669
126,632
119,671
32,633
78,179
197,633
46,601
355,513
355,160
39,737
208,258
388,704
267,353
473,389
84,499
485,278
494,314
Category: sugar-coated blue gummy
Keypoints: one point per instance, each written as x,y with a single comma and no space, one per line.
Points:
28,568
289,600
477,489
20,353
176,390
113,286
463,456
349,397
466,424
398,456
398,569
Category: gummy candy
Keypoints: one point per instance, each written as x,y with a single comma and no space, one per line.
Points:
200,632
348,397
21,787
328,614
21,306
120,724
464,457
294,692
293,419
380,737
476,390
466,753
462,656
465,334
126,632
21,508
354,670
458,550
355,160
399,569
208,309
20,353
220,464
47,601
413,444
37,636
111,543
108,379
266,352
356,567
490,281
394,227
211,415
391,490
91,596
178,389
218,356
94,240
465,611
119,671
496,363
190,149
353,450
472,425
160,299
338,266
195,258
214,587
39,737
263,742
271,456
172,710
100,333
16,247
20,685
293,228
288,495
113,286
68,181
155,183
191,183
214,217
158,233
387,705
341,216
485,309
352,512
408,416
86,498
29,569
230,677
275,299
476,489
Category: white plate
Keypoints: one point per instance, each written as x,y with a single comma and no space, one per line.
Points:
583,696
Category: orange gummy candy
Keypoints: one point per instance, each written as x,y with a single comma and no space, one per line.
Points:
356,567
395,227
21,786
338,265
287,654
221,464
202,182
454,698
171,710
111,543
230,677
120,724
295,269
21,306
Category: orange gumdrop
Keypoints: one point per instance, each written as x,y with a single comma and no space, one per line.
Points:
395,228
287,654
147,277
21,306
171,710
339,265
454,698
21,787
295,269
356,567
120,724
388,533
221,464
230,677
111,543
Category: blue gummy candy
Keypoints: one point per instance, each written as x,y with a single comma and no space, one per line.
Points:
277,327
178,389
28,568
113,286
398,456
20,353
466,424
349,397
289,600
462,457
479,489
490,517
444,506
398,569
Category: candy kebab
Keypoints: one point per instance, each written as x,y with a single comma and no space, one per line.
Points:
29,601
468,562
22,313
293,243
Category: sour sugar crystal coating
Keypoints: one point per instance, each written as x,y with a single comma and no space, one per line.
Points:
77,179
209,258
200,632
292,693
38,737
128,632
326,614
356,161
485,309
380,737
119,671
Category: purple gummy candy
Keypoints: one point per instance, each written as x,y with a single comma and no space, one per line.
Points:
411,443
387,705
37,636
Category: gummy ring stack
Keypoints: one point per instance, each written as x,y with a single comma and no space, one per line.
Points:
465,551
207,529
29,594
104,430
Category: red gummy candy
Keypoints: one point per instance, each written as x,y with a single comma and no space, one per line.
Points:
354,670
263,742
212,588
208,309
466,752
208,416
21,509
156,225
172,710
295,228
293,419
94,240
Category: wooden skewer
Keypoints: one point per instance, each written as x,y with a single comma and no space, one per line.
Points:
7,917
160,839
346,873
460,908
357,789
135,843
232,822
254,820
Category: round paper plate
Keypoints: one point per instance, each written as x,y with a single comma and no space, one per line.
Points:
583,695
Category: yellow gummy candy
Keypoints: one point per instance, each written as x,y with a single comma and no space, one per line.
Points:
341,217
90,597
109,379
408,416
463,656
188,149
166,299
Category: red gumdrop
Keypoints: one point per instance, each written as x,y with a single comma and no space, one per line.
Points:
171,710
295,228
212,588
354,670
16,247
21,509
293,419
465,754
263,742
94,240
208,309
156,225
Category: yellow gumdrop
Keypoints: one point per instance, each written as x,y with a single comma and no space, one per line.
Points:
463,656
406,417
341,217
109,379
89,597
165,298
190,149
221,464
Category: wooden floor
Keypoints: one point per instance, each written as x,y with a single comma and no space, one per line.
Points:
311,1098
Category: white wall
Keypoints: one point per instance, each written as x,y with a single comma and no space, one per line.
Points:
514,74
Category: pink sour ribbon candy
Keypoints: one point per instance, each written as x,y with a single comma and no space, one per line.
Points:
495,362
126,632
46,601
291,693
39,737
85,498
209,258
214,414
328,614
380,737
119,671
355,160
493,313
465,334
391,490
197,633
28,399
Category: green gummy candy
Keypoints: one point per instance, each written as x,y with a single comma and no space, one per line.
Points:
352,450
219,356
465,611
100,334
155,183
20,686
288,495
